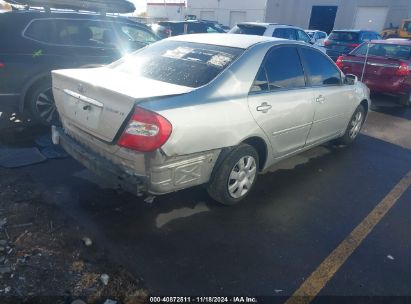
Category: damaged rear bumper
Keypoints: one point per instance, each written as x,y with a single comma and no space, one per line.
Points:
163,174
121,178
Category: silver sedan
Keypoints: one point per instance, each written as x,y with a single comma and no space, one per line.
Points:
212,109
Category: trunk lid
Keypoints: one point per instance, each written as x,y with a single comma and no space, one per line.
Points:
99,101
377,67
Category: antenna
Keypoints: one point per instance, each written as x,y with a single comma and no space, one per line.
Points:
365,62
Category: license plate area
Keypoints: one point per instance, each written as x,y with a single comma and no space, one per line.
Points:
84,113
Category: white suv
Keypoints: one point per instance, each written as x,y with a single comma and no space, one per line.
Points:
272,30
284,31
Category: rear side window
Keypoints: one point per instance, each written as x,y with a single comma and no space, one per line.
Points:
283,70
344,36
319,68
42,30
248,29
285,33
86,33
389,50
70,32
182,63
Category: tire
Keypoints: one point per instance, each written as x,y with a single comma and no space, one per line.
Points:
41,103
239,167
405,100
354,126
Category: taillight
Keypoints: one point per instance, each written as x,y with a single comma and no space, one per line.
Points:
327,42
403,69
146,131
340,62
2,65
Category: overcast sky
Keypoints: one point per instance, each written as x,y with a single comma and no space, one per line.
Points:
140,5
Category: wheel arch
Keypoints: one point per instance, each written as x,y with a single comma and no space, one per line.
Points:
365,103
261,147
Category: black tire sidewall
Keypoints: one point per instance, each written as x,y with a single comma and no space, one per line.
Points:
346,138
37,89
218,185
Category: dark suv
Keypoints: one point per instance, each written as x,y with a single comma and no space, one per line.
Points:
341,42
33,43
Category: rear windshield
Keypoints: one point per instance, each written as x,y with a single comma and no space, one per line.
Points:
248,29
344,36
394,51
182,63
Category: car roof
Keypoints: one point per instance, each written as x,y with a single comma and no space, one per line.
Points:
354,31
393,41
40,14
266,24
229,40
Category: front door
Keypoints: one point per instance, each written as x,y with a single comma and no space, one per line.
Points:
280,102
333,100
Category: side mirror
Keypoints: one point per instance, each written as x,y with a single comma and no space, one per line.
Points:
350,79
312,41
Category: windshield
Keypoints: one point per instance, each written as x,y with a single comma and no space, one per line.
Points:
182,63
248,29
344,36
385,50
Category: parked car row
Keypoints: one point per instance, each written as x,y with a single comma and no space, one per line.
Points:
128,121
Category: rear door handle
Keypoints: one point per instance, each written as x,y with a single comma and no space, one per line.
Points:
320,99
264,107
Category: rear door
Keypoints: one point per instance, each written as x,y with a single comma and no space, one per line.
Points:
333,99
280,102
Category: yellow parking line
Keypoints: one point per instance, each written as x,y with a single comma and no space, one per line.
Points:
320,277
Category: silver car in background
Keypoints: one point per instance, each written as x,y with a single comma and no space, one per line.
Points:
212,109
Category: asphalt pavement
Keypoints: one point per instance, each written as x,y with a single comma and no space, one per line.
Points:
186,244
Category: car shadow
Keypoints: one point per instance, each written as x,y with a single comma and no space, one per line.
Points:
389,105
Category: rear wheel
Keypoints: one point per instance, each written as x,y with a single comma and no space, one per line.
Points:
234,178
354,127
41,103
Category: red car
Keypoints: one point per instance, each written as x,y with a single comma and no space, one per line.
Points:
387,69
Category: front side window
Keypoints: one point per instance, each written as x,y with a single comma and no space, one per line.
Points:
282,69
319,68
181,63
137,34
